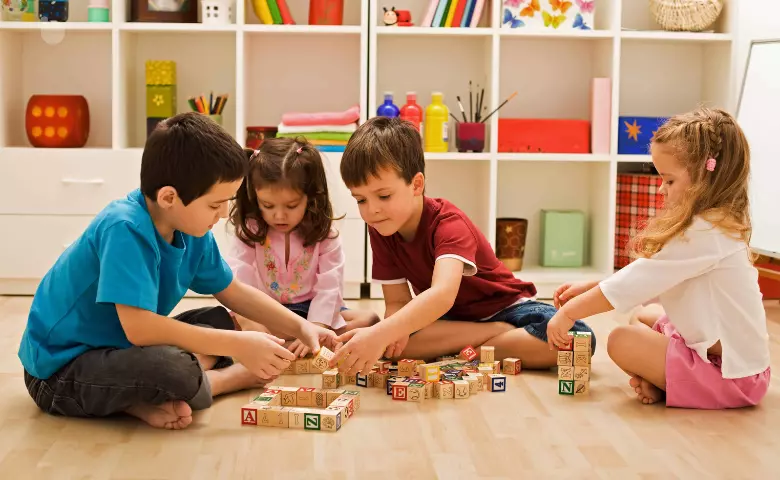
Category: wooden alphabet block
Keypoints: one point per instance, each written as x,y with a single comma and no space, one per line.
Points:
289,398
566,387
430,373
581,388
565,372
249,414
461,389
319,398
330,420
582,359
570,345
487,354
565,358
305,397
380,378
321,360
290,370
497,367
342,410
295,417
356,397
582,342
415,392
444,389
497,383
384,365
582,374
302,366
399,391
345,401
311,421
273,417
330,379
428,390
361,380
512,366
407,367
332,395
486,372
468,353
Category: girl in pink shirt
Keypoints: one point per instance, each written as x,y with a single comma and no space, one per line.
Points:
285,244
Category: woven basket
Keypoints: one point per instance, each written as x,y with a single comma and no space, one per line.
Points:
686,15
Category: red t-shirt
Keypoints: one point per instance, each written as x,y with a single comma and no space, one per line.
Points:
487,286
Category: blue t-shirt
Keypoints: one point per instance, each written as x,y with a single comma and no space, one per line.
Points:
119,259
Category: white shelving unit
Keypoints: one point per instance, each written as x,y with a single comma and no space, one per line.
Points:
48,196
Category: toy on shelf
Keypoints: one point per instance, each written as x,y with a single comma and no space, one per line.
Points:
211,106
574,365
562,238
447,378
328,131
18,10
53,11
160,92
548,14
454,13
256,135
216,12
510,242
57,121
686,15
635,134
397,18
168,11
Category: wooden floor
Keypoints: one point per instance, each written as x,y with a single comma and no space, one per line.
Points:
528,432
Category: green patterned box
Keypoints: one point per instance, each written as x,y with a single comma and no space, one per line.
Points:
161,101
563,237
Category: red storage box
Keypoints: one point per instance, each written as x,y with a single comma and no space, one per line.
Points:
638,200
540,135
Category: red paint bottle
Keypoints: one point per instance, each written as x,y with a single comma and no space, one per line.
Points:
412,111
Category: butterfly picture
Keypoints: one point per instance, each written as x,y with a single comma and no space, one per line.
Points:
579,23
561,5
586,6
510,19
551,20
530,9
512,3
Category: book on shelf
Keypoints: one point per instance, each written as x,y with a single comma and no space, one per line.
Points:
453,13
273,12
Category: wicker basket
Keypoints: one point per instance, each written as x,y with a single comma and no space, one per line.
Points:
686,15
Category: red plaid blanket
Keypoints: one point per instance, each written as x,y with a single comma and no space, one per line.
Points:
637,201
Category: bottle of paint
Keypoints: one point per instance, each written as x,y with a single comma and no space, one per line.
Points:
412,111
388,108
436,126
98,11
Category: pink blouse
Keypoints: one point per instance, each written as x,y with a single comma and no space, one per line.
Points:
313,273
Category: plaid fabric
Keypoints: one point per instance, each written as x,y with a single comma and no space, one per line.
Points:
637,201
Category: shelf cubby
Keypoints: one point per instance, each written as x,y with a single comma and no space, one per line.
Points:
466,183
55,62
205,63
299,11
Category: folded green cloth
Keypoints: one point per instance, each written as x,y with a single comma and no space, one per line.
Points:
318,135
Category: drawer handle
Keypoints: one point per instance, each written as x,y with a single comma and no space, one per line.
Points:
84,181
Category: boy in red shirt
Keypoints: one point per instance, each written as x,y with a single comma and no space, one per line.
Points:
463,294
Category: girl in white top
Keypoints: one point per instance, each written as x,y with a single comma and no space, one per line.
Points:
708,347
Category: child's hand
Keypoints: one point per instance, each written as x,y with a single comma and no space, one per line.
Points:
312,336
363,348
298,348
263,354
394,349
558,330
567,291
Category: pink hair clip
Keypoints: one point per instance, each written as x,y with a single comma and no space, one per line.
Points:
711,164
300,149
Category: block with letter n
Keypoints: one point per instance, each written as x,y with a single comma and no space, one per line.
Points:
311,421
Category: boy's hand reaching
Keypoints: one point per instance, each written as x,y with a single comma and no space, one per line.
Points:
363,348
263,354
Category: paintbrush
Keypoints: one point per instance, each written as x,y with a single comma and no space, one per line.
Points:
497,108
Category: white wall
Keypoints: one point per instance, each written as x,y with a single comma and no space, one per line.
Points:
757,19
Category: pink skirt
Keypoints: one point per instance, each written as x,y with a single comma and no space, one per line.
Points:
693,383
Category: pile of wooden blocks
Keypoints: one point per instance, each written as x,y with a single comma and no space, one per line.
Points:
449,377
309,408
160,92
574,365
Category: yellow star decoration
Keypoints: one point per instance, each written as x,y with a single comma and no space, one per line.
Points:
633,130
654,132
158,100
508,229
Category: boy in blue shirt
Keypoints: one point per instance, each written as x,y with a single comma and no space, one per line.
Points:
98,340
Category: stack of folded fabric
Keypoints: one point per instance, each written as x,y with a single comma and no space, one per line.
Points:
329,131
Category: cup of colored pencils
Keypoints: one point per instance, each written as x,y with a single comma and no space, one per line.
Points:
211,105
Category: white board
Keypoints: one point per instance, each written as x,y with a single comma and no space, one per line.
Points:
758,114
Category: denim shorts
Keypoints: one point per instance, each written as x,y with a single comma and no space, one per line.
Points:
533,316
302,308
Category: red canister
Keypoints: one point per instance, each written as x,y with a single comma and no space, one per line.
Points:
326,12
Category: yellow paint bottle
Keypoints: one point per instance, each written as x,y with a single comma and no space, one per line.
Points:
436,126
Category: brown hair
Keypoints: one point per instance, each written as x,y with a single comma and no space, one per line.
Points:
191,153
290,162
719,196
379,143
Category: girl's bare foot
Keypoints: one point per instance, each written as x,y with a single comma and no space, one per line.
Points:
234,378
646,392
173,415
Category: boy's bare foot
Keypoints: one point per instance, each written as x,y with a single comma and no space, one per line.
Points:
233,378
173,415
646,392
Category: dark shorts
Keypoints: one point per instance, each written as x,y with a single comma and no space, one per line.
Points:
302,308
105,381
533,316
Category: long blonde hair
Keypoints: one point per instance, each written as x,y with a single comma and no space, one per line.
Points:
720,196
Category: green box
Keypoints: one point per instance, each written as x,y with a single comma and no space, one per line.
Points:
563,237
160,101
